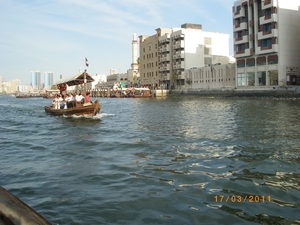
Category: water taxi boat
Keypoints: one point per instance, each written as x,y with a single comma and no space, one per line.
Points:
86,109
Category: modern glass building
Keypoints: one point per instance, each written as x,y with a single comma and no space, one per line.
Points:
48,79
35,79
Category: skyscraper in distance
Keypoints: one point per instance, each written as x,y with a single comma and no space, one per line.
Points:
35,79
48,79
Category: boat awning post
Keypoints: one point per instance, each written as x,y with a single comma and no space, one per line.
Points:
84,86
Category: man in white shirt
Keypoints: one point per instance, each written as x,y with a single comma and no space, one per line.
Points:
80,98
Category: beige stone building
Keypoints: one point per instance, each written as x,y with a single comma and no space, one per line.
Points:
149,60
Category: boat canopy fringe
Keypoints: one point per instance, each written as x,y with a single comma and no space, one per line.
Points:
76,80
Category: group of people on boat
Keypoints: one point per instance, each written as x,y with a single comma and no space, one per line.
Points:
71,100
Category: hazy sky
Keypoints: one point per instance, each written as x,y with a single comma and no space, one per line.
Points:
56,35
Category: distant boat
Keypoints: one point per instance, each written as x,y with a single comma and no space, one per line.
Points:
87,109
21,96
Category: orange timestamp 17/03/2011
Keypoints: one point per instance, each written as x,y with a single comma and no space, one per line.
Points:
240,198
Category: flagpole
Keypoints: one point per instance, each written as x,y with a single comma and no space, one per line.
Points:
84,75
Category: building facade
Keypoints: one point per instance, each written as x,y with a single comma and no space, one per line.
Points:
217,76
149,60
165,56
266,42
48,80
36,79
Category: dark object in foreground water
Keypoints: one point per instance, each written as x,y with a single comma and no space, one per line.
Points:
15,212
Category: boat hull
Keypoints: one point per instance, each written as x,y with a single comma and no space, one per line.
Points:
90,110
14,211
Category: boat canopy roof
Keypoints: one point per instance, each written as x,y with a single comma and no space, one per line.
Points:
76,80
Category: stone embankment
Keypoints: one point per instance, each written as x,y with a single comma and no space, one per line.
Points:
267,92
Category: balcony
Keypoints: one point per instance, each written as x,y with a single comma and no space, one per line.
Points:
272,18
165,58
239,14
268,4
263,35
165,67
178,65
241,40
178,44
270,49
241,26
244,53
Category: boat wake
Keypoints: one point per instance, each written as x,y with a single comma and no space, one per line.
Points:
97,117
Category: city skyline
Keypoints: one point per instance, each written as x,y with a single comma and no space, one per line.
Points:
57,36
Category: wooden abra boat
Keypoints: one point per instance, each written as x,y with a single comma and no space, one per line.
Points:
87,109
80,110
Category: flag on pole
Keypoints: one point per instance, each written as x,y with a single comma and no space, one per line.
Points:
86,62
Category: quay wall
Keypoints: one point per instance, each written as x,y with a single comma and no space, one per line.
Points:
270,92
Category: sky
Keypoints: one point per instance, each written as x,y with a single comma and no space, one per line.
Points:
56,35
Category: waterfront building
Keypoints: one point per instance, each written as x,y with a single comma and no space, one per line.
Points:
148,68
36,79
166,55
11,86
48,80
266,42
118,78
217,76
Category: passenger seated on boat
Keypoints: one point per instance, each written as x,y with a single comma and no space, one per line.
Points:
57,102
64,102
88,98
80,99
71,101
54,102
60,100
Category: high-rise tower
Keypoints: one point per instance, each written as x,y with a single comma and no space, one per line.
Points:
48,79
36,79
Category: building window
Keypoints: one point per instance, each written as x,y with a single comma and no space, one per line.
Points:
239,34
241,47
261,61
268,12
240,63
266,42
273,77
241,79
250,79
261,78
250,62
267,28
273,59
